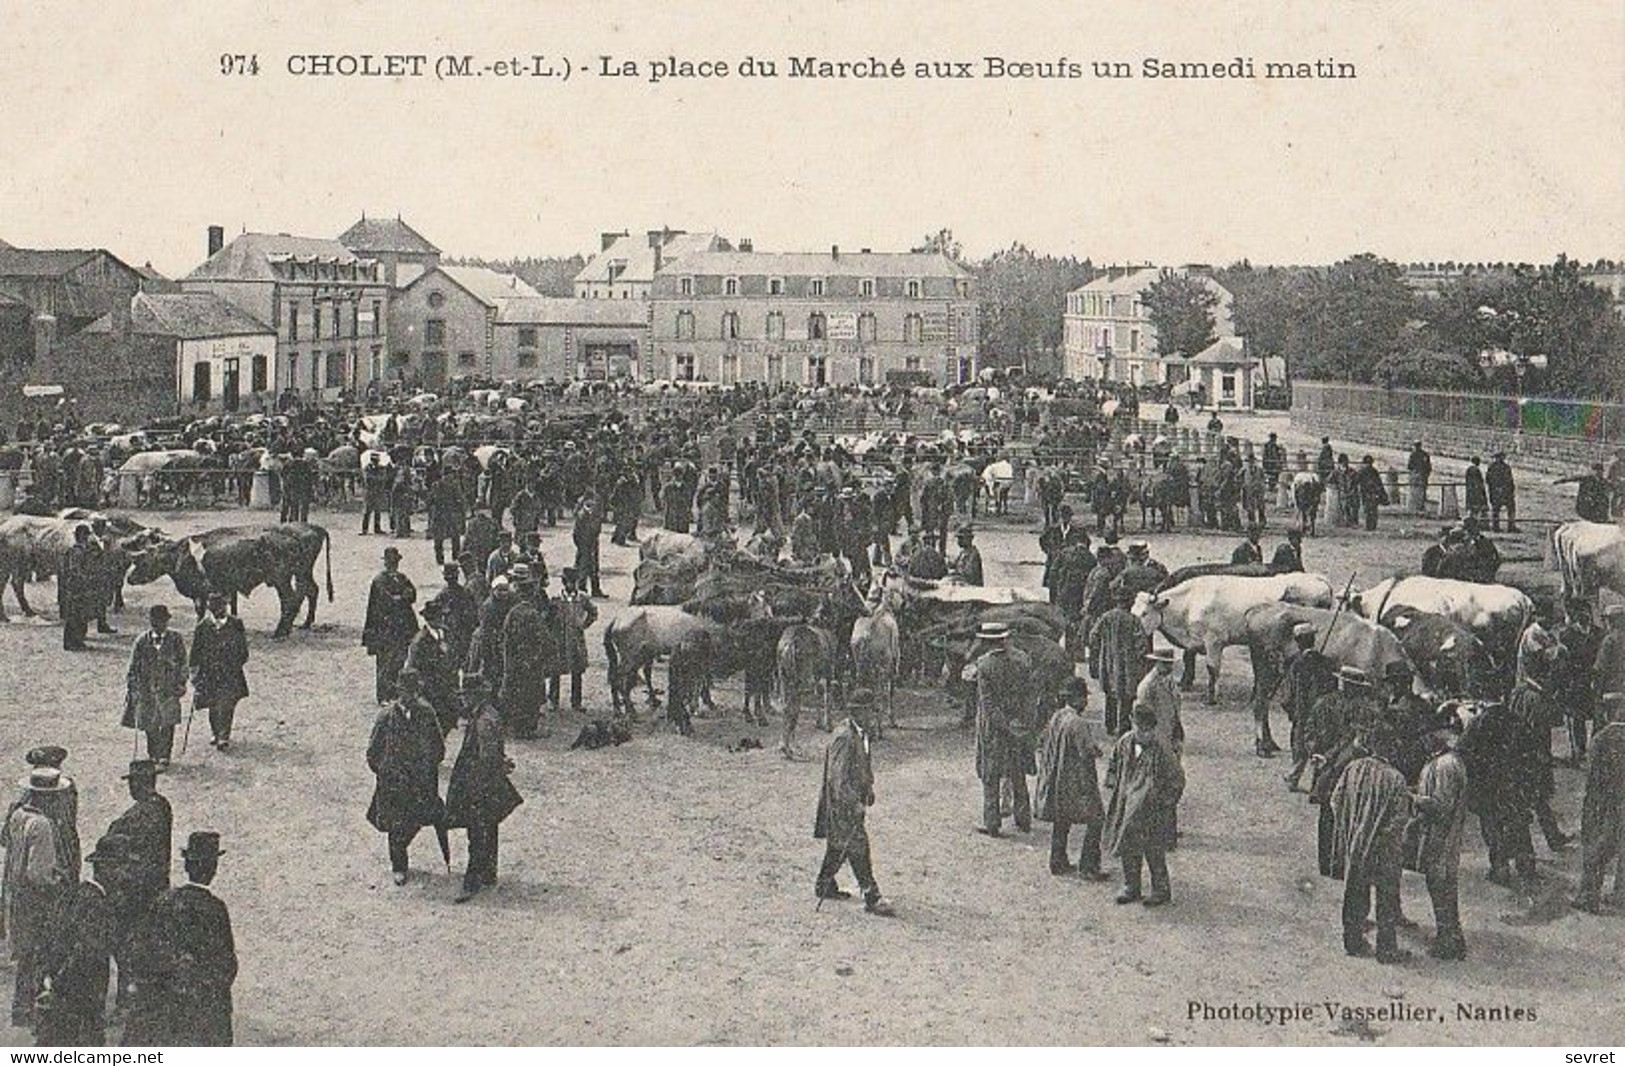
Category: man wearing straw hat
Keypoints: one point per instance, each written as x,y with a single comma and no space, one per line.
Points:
1004,726
61,807
32,884
154,686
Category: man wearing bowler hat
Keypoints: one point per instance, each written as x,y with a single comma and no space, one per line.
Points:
391,623
219,653
479,794
155,684
148,825
73,992
187,960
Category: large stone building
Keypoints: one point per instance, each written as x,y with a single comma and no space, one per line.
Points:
328,306
1108,331
443,324
811,318
553,339
626,263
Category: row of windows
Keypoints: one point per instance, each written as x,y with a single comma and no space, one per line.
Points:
913,288
231,380
315,269
1101,304
817,327
334,372
372,320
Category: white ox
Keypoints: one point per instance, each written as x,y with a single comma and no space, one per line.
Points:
1497,614
1589,555
1208,613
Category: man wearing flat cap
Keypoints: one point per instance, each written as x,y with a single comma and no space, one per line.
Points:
1145,782
1433,839
31,886
1004,726
154,685
390,625
186,961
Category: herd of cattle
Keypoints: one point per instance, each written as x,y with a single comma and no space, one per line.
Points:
791,631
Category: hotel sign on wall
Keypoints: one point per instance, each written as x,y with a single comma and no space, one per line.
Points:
794,347
934,325
843,325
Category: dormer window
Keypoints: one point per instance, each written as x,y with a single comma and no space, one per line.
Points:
775,286
913,288
685,286
817,286
866,287
730,287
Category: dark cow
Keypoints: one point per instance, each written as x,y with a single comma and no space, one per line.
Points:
236,560
1449,657
1307,489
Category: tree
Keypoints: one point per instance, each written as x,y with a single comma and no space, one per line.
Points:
942,242
549,275
1180,308
1424,368
1023,295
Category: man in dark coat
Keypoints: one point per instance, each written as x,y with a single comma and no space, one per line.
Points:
1309,676
219,653
1339,721
481,538
154,685
403,500
1369,490
459,614
376,481
404,754
576,614
967,565
1068,785
1288,557
1249,550
1506,763
1602,818
1477,494
1498,483
75,581
186,961
390,624
626,499
1370,810
72,1006
429,656
447,510
848,791
1004,727
589,525
1146,782
1118,644
479,794
527,659
148,827
1433,840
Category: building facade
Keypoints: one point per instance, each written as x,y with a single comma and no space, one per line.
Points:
1108,333
443,324
328,306
553,339
50,293
809,318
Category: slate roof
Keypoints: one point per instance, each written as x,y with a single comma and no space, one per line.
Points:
490,287
1224,352
563,311
386,235
42,262
247,257
192,316
639,258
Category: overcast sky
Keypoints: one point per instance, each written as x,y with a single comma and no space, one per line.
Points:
1494,130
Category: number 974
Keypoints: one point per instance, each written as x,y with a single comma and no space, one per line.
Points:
246,65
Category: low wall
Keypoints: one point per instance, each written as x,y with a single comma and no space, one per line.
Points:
1556,455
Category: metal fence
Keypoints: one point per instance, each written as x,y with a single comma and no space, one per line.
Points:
1579,420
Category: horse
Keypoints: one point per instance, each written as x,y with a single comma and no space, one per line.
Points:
876,651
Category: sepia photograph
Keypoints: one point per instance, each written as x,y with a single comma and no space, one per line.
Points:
846,524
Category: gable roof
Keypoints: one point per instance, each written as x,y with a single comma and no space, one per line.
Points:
633,250
1227,351
192,316
42,262
386,235
489,287
564,311
247,257
820,264
1137,281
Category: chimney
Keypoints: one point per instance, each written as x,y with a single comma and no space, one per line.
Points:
217,238
868,251
44,335
745,245
607,239
835,251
